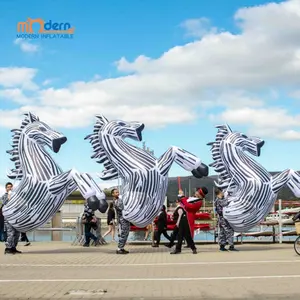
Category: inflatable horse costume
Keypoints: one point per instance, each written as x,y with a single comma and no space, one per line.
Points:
144,177
250,189
43,186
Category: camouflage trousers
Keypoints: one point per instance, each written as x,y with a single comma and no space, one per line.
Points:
124,228
226,233
12,236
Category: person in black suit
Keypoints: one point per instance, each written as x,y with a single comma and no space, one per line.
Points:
161,227
182,229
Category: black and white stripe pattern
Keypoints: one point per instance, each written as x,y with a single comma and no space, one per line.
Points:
250,189
144,178
43,186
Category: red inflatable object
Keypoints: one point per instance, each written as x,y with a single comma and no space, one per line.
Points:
171,223
171,227
202,216
134,228
198,216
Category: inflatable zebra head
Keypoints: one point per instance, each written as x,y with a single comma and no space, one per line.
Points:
38,134
119,128
252,145
239,140
104,137
227,151
41,133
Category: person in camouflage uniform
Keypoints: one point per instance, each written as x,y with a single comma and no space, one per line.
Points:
12,235
226,233
123,225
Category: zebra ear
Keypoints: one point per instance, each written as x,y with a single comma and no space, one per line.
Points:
31,117
228,128
102,119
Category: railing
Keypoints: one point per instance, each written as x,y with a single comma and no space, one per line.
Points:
56,228
51,229
272,231
276,231
80,237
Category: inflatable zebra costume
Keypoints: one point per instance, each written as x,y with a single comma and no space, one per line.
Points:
249,188
144,177
43,186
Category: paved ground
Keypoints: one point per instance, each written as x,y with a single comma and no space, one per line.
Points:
60,271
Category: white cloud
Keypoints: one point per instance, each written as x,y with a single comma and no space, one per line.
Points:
198,27
238,73
47,82
295,94
18,77
154,116
271,117
10,118
268,122
15,95
96,77
26,46
107,184
234,99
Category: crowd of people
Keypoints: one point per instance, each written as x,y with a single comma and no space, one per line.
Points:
183,230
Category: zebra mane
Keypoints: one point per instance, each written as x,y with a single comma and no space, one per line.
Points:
17,172
224,178
99,153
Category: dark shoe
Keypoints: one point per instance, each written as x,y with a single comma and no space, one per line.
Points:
27,244
8,251
122,251
96,242
222,248
155,245
169,245
16,251
194,251
86,245
175,251
231,248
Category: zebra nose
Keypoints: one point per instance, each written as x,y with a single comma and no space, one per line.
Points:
56,144
260,144
63,140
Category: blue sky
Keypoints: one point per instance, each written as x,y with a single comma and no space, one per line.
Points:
106,31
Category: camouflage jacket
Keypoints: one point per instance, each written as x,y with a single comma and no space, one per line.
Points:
219,204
